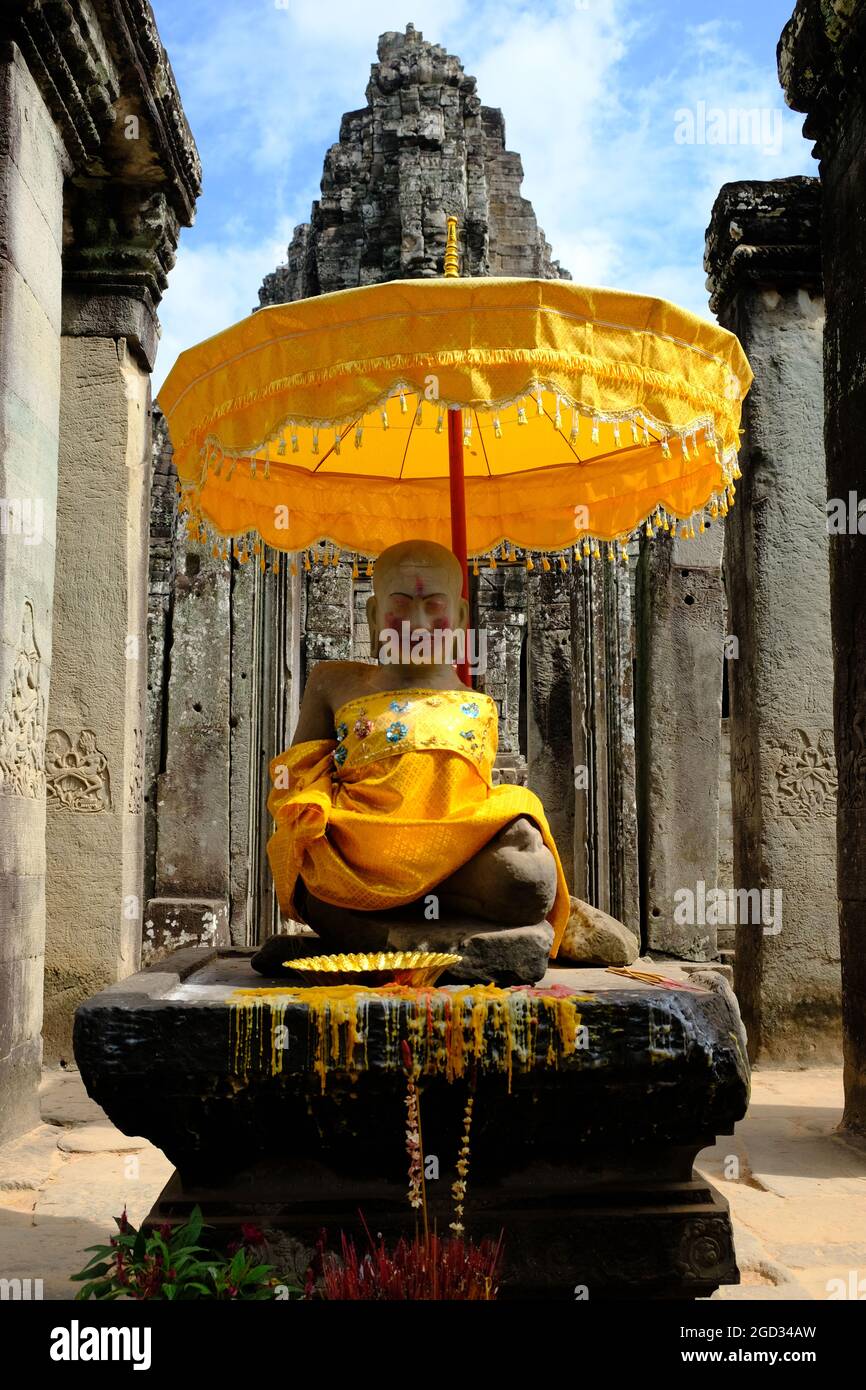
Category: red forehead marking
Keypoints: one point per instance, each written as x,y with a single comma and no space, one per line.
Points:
419,584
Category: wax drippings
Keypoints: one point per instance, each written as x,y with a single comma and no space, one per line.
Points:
449,1031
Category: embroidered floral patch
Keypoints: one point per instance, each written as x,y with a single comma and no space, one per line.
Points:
468,734
363,727
340,755
398,707
470,709
396,731
342,730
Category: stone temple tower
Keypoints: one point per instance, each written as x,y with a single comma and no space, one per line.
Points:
422,147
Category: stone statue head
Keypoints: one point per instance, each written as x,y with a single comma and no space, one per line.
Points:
417,590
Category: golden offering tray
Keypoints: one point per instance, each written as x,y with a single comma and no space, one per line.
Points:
417,968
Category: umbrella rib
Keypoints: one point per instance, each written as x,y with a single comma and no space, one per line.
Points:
406,450
326,456
483,445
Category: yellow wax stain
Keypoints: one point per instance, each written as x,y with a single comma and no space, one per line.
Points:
448,1031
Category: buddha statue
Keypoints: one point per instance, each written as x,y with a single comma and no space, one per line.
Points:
389,832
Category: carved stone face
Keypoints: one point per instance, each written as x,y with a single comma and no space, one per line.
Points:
416,589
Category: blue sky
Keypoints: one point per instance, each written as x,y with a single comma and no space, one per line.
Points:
612,104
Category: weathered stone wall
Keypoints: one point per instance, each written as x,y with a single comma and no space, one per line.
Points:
32,161
821,59
98,171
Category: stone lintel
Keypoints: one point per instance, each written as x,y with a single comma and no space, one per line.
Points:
132,168
92,80
820,64
764,233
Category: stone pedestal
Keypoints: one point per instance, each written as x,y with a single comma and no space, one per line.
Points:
592,1096
821,56
763,262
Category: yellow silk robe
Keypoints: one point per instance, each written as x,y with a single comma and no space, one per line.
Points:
398,800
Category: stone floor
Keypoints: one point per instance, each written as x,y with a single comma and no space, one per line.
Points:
797,1189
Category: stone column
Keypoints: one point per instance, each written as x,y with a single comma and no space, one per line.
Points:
550,771
122,215
603,741
32,162
94,750
681,624
764,275
821,58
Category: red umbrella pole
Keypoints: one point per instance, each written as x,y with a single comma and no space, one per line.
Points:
458,511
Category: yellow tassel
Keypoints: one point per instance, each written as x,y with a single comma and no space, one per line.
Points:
529,564
355,569
307,562
384,415
369,568
703,526
493,562
595,431
337,441
418,415
275,567
521,414
293,569
440,420
403,406
335,558
215,553
587,549
611,555
562,565
596,552
474,566
545,564
257,548
359,436
294,438
497,428
262,565
684,532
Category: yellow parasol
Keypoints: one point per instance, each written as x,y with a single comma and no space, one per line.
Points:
582,414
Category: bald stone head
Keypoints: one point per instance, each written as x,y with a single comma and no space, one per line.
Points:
419,583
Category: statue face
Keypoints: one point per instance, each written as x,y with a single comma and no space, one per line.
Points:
417,593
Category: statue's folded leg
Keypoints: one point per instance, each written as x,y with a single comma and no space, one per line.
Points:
510,882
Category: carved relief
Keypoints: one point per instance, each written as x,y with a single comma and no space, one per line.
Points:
803,780
135,799
22,725
77,778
